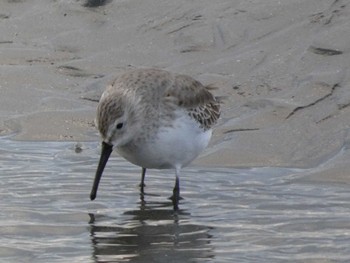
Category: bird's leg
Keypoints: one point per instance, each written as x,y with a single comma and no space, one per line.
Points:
176,191
142,184
176,194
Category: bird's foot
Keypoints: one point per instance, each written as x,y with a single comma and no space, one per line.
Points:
176,198
142,188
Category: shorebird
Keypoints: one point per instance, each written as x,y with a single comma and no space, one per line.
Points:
155,119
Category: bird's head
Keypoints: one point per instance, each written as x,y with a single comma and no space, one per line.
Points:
116,122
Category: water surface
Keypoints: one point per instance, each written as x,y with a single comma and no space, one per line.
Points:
227,215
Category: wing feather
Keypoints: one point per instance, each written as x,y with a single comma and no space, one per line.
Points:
196,99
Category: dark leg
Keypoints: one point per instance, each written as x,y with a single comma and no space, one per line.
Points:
176,193
142,184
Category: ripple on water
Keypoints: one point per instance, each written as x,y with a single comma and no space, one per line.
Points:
227,215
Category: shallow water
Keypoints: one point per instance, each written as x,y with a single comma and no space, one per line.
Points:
227,215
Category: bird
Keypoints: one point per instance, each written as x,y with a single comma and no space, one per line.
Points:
155,119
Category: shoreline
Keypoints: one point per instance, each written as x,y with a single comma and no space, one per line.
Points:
281,66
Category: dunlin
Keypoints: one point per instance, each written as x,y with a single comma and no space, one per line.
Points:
155,119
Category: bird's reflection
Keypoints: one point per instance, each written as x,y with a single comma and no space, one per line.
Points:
152,233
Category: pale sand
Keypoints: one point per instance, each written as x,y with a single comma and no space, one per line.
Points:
283,66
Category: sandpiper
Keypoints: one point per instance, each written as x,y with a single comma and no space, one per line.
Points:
155,119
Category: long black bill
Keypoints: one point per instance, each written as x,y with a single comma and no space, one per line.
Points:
105,153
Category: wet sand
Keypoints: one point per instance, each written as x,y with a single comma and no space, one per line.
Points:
282,66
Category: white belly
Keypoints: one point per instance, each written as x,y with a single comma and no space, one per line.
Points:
174,146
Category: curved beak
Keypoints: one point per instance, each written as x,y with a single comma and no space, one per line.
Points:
105,153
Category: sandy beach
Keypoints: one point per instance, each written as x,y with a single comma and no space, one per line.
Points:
273,185
283,67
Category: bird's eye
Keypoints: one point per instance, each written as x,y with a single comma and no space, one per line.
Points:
119,125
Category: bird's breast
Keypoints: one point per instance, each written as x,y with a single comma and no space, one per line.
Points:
170,146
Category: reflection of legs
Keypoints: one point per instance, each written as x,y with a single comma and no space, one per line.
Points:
142,184
176,191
